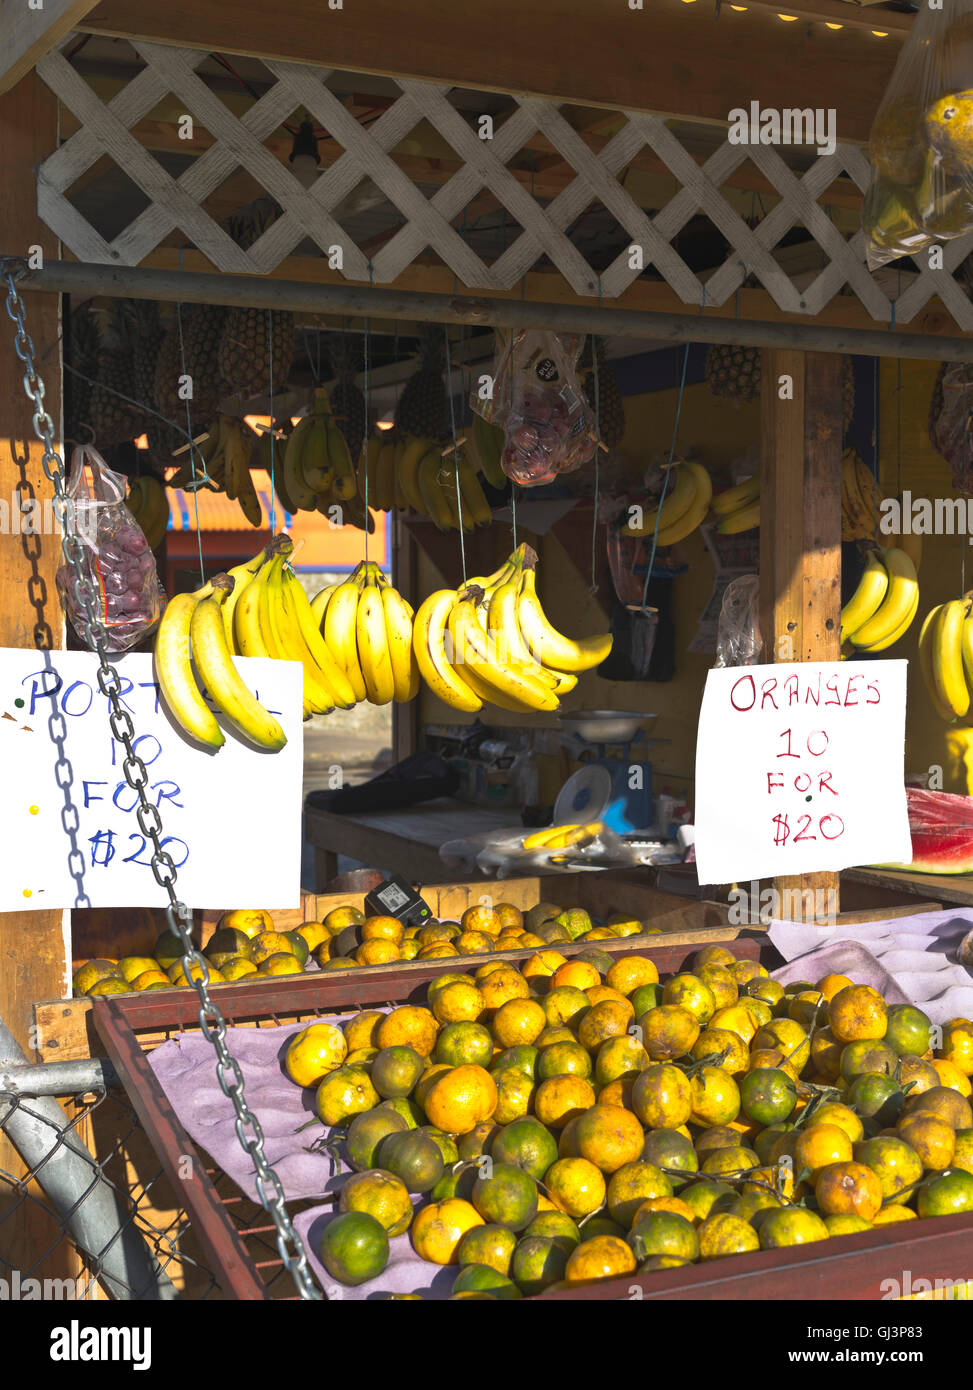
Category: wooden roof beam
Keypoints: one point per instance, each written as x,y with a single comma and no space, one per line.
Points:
27,34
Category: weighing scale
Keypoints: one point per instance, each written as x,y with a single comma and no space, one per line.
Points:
621,795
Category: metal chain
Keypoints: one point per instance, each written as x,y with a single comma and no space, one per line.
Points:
211,1021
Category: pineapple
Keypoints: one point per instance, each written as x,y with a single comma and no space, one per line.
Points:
734,373
347,400
149,335
244,352
423,408
112,418
202,331
611,408
168,368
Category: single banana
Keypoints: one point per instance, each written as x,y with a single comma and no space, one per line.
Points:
900,631
505,634
679,497
241,576
731,499
319,603
903,587
947,658
249,634
385,477
373,643
471,648
542,838
926,637
230,439
867,598
345,483
550,647
316,467
474,499
486,441
432,490
223,681
967,644
340,631
398,628
297,489
696,513
319,698
413,452
746,519
174,672
429,638
296,601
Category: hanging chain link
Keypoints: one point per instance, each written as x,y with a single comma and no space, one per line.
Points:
178,915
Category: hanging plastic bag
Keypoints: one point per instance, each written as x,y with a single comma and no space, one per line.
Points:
116,558
738,640
921,141
538,399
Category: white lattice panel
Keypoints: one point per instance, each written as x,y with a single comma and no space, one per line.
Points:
176,203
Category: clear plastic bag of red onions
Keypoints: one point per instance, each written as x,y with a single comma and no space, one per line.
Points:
116,558
538,400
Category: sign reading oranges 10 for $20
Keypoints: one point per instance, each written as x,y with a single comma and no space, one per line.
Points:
231,820
800,769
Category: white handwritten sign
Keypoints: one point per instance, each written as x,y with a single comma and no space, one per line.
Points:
69,834
800,768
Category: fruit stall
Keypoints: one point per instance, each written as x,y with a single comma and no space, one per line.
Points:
426,441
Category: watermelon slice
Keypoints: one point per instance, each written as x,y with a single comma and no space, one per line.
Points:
942,833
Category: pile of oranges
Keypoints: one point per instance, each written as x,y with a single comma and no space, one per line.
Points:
246,944
579,1120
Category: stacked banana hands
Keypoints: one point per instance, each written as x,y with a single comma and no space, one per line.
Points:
422,476
316,472
259,608
882,608
149,505
489,642
946,657
687,502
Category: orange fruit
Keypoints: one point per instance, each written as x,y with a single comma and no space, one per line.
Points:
341,917
631,1185
564,1004
426,1081
896,1165
848,1189
662,1231
933,1139
383,929
745,970
250,920
543,964
951,1076
131,967
713,955
720,984
598,994
944,1102
270,943
715,1097
460,1044
460,1099
381,1195
313,1052
889,1216
629,972
362,1030
562,1059
918,1074
377,951
314,933
620,1058
957,1044
608,1019
788,1037
437,932
618,1092
438,1229
609,1136
949,1194
488,1245
723,1234
508,941
150,978
440,951
473,943
515,1095
482,919
408,1026
509,915
826,1053
283,963
581,974
790,1226
728,1050
735,1018
834,1113
501,985
857,1012
344,1092
830,985
338,963
672,1204
668,1031
689,992
529,938
602,1257
518,1021
561,1098
662,1096
458,1001
820,1145
506,1195
576,1186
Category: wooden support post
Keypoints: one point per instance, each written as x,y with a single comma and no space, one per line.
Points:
800,540
33,954
405,718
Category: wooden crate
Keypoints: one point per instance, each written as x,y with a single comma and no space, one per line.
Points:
849,1267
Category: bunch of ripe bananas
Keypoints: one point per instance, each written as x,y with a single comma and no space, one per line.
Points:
224,458
367,627
419,475
568,836
738,508
257,609
946,657
682,508
883,606
149,505
318,473
860,497
490,642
